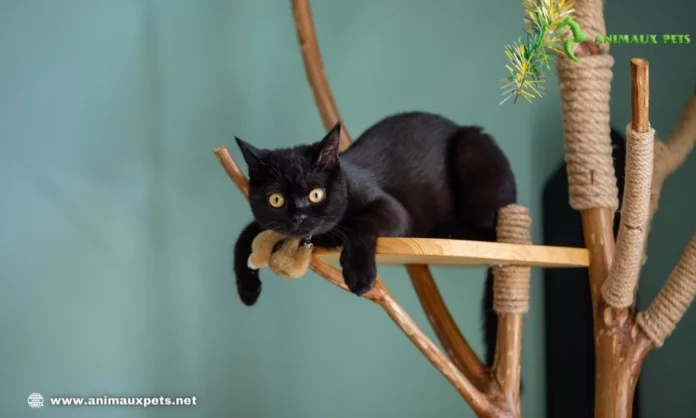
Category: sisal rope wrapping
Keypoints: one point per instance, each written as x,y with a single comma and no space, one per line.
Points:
619,288
660,319
511,283
585,88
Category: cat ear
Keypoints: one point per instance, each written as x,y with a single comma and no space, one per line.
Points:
329,148
251,154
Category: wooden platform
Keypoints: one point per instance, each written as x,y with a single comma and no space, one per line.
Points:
459,252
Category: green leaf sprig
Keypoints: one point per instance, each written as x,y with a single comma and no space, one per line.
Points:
546,22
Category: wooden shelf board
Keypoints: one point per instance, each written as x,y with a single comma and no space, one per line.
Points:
393,251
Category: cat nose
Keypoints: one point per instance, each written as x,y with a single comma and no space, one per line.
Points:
299,218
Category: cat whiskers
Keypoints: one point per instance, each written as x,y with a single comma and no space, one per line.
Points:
338,231
341,237
352,233
277,227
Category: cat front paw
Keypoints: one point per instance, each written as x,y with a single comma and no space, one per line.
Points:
248,286
359,273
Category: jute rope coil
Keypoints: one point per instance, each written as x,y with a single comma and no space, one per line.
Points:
511,283
619,288
585,88
660,319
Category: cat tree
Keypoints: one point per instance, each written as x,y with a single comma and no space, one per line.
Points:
622,337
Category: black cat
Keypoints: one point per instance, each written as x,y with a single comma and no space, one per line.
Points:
411,174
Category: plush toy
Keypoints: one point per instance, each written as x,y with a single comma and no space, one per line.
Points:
287,257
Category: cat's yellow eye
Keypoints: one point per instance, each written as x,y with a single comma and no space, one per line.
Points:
316,195
276,200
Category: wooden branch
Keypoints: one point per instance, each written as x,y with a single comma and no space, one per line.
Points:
598,231
670,155
456,346
479,403
314,67
510,303
404,250
660,319
640,94
621,367
380,295
232,170
508,356
682,140
620,287
620,346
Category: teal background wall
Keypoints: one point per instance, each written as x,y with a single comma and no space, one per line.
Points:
117,223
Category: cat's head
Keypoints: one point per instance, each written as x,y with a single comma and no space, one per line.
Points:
299,191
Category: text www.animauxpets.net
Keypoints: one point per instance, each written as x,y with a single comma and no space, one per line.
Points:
36,400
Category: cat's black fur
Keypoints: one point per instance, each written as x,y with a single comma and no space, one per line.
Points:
411,174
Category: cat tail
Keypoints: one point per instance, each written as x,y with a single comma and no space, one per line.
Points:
490,320
490,323
248,282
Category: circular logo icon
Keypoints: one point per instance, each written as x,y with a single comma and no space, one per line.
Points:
35,400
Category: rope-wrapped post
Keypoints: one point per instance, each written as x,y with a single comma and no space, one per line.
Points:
585,87
660,319
511,301
585,91
620,345
620,287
